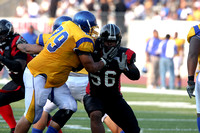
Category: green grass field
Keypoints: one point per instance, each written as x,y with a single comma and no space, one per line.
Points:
156,113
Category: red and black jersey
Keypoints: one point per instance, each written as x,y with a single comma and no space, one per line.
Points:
11,52
106,82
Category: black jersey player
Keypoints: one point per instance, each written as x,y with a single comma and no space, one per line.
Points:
103,93
15,61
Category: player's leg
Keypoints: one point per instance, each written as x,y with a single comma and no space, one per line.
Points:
35,98
111,125
78,90
11,92
41,124
7,114
45,118
94,108
197,97
77,85
126,120
67,106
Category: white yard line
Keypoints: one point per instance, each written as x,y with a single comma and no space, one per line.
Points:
153,91
163,104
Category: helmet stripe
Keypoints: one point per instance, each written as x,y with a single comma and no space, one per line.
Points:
89,24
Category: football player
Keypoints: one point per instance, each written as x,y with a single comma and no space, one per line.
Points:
76,82
193,59
103,93
15,61
70,45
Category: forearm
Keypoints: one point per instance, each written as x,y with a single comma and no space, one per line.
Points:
132,73
191,64
94,67
89,64
193,53
29,48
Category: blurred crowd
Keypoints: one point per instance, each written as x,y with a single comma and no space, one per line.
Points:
119,11
134,9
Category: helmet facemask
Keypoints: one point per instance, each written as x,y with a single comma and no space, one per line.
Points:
2,40
110,33
94,32
110,42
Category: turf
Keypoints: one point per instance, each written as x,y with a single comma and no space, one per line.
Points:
152,118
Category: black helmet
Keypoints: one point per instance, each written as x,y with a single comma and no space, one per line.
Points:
6,30
111,32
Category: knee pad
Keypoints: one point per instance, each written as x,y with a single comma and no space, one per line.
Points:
62,116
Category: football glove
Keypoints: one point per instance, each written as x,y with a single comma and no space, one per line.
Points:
190,88
109,56
123,63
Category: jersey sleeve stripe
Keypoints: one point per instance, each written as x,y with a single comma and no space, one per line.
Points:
14,47
79,42
41,42
129,54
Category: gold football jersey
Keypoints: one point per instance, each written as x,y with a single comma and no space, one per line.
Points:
58,58
195,30
43,38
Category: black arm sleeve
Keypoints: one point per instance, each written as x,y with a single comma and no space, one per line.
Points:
133,73
12,65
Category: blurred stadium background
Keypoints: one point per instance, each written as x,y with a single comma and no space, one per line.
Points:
156,110
141,17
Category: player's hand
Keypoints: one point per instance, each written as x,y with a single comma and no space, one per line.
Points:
123,62
190,88
109,56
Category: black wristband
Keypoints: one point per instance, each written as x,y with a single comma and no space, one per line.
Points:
190,78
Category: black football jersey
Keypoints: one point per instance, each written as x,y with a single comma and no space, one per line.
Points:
106,82
11,52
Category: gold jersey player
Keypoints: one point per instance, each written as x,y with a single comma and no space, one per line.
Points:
77,82
193,59
68,47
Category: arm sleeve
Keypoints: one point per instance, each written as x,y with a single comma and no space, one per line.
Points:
12,65
132,73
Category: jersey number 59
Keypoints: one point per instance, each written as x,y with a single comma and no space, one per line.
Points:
58,41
